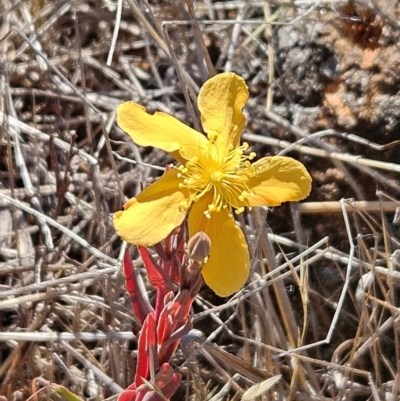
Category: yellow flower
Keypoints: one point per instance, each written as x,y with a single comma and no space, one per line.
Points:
214,177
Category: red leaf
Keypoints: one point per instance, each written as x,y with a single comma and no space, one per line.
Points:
127,395
170,388
181,331
141,308
165,325
178,306
174,270
164,375
167,383
156,276
147,350
167,349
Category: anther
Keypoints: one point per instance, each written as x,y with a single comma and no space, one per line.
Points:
243,196
207,214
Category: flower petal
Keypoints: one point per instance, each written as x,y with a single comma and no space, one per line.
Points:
279,179
154,213
220,101
227,268
159,130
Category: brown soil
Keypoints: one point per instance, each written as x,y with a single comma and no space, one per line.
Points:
333,74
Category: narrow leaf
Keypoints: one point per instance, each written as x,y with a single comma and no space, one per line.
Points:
147,346
156,276
141,307
259,388
61,390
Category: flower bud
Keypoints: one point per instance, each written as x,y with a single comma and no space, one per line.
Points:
199,247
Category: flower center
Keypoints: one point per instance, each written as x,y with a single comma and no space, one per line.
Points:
217,176
226,175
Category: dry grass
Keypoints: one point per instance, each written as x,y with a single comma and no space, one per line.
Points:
321,306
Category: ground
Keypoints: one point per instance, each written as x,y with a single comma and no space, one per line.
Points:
324,81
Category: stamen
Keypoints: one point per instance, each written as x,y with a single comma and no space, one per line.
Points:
226,175
212,208
207,214
184,205
243,196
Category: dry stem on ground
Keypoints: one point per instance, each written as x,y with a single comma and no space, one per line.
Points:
321,307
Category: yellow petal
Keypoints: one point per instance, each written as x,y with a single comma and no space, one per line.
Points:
279,179
227,268
154,213
220,101
159,130
164,186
